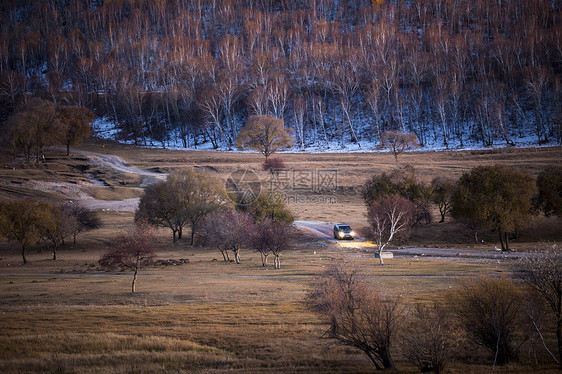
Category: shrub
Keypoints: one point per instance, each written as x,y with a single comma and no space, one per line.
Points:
428,340
490,312
273,165
401,181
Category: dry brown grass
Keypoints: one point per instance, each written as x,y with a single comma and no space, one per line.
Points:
114,193
70,316
209,316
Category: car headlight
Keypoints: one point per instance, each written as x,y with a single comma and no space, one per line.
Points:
341,234
352,233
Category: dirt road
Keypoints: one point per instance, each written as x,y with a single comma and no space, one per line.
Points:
323,231
316,228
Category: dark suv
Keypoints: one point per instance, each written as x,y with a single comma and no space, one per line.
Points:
342,231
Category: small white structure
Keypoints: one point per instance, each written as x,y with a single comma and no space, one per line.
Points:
384,255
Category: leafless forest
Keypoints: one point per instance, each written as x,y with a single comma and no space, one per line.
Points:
452,72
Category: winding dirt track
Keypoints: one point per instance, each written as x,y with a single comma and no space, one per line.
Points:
78,192
117,163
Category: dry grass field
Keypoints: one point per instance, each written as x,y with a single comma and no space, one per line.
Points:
71,316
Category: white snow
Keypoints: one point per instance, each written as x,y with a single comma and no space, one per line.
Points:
104,128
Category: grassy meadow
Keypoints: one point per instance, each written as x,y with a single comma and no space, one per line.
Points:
208,316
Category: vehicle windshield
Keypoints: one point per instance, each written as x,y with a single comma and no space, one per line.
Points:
344,228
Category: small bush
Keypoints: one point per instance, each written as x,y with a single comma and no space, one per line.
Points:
273,164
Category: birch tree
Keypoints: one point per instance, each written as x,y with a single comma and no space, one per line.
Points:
389,218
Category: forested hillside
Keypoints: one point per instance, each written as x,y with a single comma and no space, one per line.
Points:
453,72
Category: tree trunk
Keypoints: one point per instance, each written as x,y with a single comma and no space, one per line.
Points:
237,255
387,362
476,236
506,240
134,281
373,359
559,335
68,149
501,240
263,258
277,262
54,252
174,235
223,254
23,254
137,264
443,211
192,233
74,238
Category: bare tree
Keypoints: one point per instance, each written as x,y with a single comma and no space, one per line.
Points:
210,104
374,100
216,234
86,219
390,217
228,91
398,141
490,311
429,338
359,317
257,101
536,82
271,236
441,95
278,95
11,86
131,250
542,271
228,231
299,110
57,227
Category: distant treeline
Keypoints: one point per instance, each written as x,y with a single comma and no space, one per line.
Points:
335,70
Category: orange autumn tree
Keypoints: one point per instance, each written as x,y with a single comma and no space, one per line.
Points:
265,134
